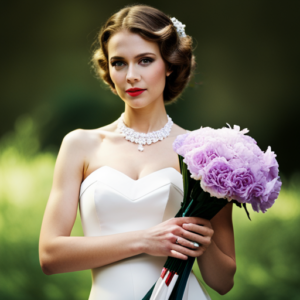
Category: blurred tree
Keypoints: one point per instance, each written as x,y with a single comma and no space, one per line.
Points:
247,54
72,109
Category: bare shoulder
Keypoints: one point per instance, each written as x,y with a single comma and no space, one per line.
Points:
87,138
83,142
81,138
75,149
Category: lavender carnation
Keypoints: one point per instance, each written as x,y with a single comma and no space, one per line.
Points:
179,142
198,158
231,165
242,181
215,178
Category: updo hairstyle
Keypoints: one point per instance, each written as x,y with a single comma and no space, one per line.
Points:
152,25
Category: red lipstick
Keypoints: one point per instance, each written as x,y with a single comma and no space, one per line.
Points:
133,92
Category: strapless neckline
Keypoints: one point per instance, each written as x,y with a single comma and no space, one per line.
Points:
115,170
122,181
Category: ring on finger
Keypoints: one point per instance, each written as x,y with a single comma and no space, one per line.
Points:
195,244
177,241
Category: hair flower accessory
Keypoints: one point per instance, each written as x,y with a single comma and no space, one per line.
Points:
179,27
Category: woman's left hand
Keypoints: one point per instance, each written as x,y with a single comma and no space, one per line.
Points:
200,233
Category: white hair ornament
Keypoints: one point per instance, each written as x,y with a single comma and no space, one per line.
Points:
179,27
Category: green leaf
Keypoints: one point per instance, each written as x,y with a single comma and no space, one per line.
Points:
246,210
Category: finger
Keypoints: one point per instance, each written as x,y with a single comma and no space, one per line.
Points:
195,220
205,231
201,240
187,251
179,255
186,243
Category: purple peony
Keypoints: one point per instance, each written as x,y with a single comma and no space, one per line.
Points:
256,195
215,178
242,180
262,203
231,165
197,159
271,164
179,141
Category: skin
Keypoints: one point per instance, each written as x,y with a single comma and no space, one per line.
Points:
84,151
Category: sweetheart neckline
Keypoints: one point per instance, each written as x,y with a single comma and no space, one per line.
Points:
135,180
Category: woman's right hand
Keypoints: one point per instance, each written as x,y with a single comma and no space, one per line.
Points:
160,240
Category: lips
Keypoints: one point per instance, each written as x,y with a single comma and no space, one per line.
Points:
135,91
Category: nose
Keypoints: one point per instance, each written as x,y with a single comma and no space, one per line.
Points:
132,75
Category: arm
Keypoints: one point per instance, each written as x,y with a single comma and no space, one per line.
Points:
58,251
217,263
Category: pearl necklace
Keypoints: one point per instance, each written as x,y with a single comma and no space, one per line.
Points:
144,138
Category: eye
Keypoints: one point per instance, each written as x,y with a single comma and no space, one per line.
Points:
117,64
146,61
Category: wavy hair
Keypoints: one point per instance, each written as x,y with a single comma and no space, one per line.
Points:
155,26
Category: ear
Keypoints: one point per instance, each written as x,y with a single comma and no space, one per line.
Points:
168,69
168,73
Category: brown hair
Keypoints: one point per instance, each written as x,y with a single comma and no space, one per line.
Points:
152,25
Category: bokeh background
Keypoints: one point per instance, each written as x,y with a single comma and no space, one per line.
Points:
247,74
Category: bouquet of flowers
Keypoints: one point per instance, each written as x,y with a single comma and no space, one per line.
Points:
218,166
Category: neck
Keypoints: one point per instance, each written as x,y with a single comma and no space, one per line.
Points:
146,119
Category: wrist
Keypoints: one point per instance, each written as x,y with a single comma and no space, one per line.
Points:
141,245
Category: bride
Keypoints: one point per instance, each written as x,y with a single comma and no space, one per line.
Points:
129,189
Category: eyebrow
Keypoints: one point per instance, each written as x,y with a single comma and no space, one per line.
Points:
137,56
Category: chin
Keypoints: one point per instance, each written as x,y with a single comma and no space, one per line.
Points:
137,103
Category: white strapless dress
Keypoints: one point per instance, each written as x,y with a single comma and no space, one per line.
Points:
110,203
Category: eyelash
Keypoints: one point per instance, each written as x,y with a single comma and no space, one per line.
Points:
148,58
114,63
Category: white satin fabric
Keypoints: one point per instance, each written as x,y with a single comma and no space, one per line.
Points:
110,203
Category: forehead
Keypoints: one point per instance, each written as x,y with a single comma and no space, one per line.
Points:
127,44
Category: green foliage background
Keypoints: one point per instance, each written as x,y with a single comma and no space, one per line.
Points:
247,55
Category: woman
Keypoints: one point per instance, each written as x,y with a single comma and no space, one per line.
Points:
129,193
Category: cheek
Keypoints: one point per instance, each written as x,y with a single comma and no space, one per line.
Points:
158,75
116,77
